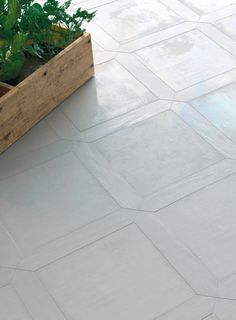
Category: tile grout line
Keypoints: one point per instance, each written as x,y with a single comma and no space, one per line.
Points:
83,247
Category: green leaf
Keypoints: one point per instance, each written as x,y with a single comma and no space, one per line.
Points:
14,12
27,27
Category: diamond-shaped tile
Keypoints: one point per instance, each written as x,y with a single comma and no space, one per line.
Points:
205,222
114,91
128,19
11,307
50,200
227,25
219,108
120,277
186,60
207,6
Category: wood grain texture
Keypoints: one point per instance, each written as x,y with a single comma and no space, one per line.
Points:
21,107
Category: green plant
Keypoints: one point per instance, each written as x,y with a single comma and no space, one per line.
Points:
12,40
28,28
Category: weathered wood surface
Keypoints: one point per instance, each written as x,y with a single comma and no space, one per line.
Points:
21,107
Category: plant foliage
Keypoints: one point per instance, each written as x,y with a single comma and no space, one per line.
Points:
29,28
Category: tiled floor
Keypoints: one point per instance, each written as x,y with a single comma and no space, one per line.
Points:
120,205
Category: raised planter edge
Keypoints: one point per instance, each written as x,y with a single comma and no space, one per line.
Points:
23,106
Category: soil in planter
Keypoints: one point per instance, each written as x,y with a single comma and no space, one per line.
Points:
31,65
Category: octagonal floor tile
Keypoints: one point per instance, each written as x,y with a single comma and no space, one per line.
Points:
112,92
50,200
219,108
180,61
140,160
119,277
205,222
207,6
156,153
128,19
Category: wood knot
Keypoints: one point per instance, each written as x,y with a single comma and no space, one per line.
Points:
7,136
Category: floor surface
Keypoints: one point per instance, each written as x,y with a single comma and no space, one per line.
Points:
121,204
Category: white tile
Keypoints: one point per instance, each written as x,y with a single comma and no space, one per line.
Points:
225,310
205,222
100,55
9,255
156,153
205,129
227,25
206,87
10,165
112,92
153,38
120,277
220,14
128,19
211,317
188,265
34,295
6,275
51,200
219,108
145,76
197,308
181,62
182,10
90,4
227,287
222,40
102,38
11,307
39,136
206,6
78,239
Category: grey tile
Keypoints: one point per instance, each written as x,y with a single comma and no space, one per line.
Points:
114,91
180,61
120,277
227,25
205,222
219,108
207,6
51,200
128,19
38,137
11,306
156,153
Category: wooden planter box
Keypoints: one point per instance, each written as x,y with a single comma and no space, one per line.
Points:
21,107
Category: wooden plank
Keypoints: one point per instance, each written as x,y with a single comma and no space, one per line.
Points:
30,101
